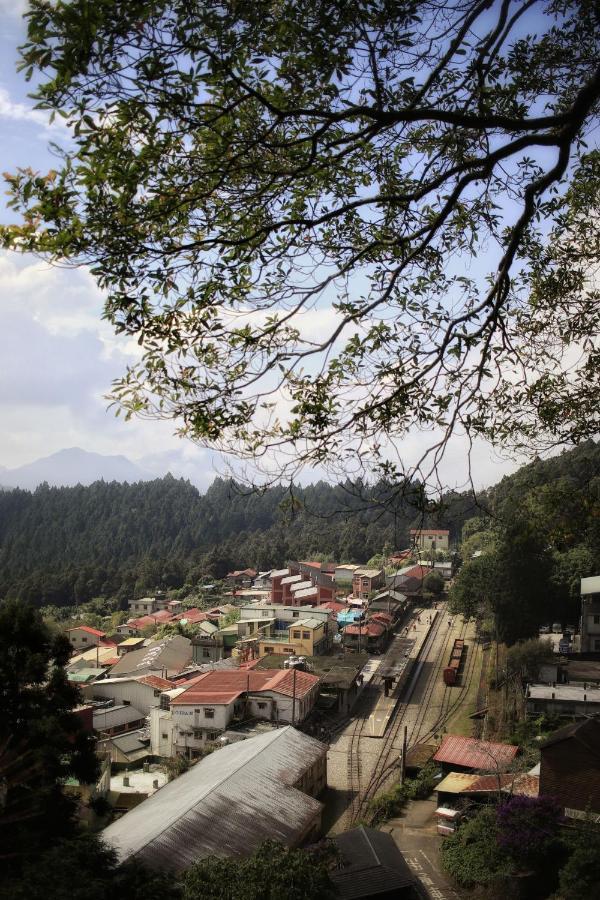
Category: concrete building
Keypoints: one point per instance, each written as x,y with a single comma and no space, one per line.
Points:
142,692
578,700
229,803
429,538
82,637
208,706
590,614
145,606
208,647
306,637
130,749
365,581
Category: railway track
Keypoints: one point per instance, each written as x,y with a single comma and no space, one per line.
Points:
388,758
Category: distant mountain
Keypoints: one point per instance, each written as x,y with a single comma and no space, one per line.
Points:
74,466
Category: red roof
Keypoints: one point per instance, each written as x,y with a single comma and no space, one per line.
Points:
429,531
372,629
523,784
472,753
88,630
162,684
230,683
193,616
417,572
382,617
333,605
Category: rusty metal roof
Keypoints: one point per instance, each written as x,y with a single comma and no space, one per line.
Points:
472,753
225,805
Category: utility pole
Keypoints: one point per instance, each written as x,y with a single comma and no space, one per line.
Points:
403,766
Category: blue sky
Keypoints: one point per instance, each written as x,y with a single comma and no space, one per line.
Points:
57,358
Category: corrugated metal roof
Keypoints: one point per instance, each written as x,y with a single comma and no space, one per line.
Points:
115,716
301,586
83,675
234,682
280,573
456,782
226,805
88,630
371,864
474,754
308,623
306,592
172,653
292,579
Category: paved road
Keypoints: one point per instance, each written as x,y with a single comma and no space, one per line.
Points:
416,837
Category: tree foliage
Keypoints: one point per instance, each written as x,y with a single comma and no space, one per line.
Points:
274,871
327,223
63,546
42,741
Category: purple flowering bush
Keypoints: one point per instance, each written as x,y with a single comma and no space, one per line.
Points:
528,827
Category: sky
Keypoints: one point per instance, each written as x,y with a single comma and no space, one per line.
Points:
58,358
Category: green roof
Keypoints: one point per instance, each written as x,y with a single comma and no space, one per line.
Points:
84,674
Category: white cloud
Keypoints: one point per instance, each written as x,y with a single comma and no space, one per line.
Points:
21,112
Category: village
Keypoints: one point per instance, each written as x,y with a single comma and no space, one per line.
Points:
305,697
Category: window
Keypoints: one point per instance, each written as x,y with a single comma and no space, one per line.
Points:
165,736
164,702
197,734
596,645
209,712
596,621
83,640
306,635
212,735
269,650
288,649
262,705
206,653
295,615
296,634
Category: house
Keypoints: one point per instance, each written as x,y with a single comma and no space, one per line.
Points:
463,754
130,749
82,637
570,766
150,621
365,581
590,614
302,584
208,647
305,637
429,538
145,606
167,657
409,581
343,576
370,636
391,602
142,692
228,804
371,865
262,582
113,720
459,786
98,657
129,644
211,702
577,700
241,578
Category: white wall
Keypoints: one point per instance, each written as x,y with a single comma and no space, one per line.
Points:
142,696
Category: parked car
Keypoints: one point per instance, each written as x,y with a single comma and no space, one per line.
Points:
545,629
557,628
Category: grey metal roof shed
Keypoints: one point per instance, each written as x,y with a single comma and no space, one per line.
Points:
226,805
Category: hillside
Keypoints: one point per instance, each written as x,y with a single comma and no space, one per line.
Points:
70,544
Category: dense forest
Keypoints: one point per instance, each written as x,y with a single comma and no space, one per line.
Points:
524,558
63,546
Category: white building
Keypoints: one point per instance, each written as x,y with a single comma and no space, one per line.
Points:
143,692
